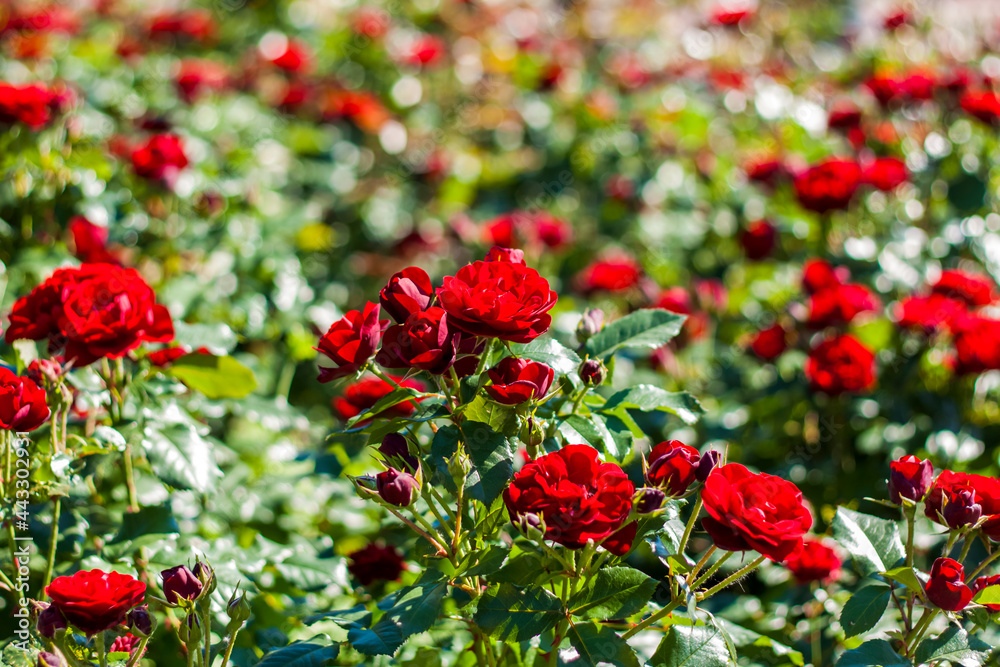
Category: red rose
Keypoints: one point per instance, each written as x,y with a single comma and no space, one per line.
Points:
612,275
814,561
840,364
829,185
366,392
919,85
424,50
970,288
408,292
95,601
424,341
946,588
845,115
397,488
729,16
290,55
196,77
29,104
929,313
977,345
886,173
758,239
516,381
672,466
818,274
194,23
180,582
885,88
90,242
35,316
22,403
949,484
578,497
766,171
161,158
499,254
678,300
770,343
375,562
840,305
754,511
910,478
896,18
982,104
985,582
498,299
960,506
350,342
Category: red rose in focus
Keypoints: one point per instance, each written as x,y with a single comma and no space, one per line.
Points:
758,239
840,364
517,381
578,497
350,342
498,300
95,601
366,392
22,403
970,288
375,562
814,561
612,275
423,341
90,242
946,588
886,173
672,467
407,292
977,345
982,104
770,343
987,495
754,511
910,478
161,158
985,582
840,305
829,185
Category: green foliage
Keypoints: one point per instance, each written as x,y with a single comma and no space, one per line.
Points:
215,377
647,328
874,544
865,609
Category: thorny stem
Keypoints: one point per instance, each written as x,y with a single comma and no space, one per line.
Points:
712,570
733,578
652,619
700,564
229,647
420,531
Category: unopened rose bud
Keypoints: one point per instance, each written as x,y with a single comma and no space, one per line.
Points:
961,507
206,575
396,449
46,659
189,631
238,608
591,323
140,622
592,372
530,525
648,500
44,371
180,583
50,621
533,432
397,488
909,478
706,464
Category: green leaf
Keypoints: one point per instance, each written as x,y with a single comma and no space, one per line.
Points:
954,645
865,609
521,570
487,562
906,576
589,430
501,418
217,336
513,614
306,572
692,646
650,327
181,457
394,397
989,595
551,353
646,397
154,521
416,609
302,654
492,458
215,377
752,644
873,543
598,644
873,652
616,592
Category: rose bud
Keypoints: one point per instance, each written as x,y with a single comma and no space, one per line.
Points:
516,381
238,608
189,632
395,448
397,488
707,464
770,343
985,582
909,478
647,500
672,466
961,507
50,621
409,291
592,372
758,239
180,582
46,659
533,432
946,588
140,622
591,323
206,575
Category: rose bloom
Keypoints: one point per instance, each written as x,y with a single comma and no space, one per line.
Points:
985,582
161,158
885,88
407,292
375,562
729,15
840,305
196,24
611,275
578,497
758,239
970,288
423,341
844,115
90,242
94,601
977,345
982,104
498,300
678,300
946,588
754,511
770,343
840,364
196,77
929,313
987,494
366,392
22,403
886,173
517,381
829,185
818,274
29,104
294,57
910,478
350,342
766,171
358,106
814,561
672,466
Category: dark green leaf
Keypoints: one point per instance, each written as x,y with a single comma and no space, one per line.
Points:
600,645
873,543
873,652
650,327
148,521
616,592
488,562
751,644
302,654
181,457
955,646
215,377
501,418
521,570
492,458
415,609
692,646
865,609
509,613
646,397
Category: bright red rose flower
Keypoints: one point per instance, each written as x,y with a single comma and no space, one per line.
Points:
375,562
885,88
770,343
366,392
758,239
840,305
424,51
910,478
814,561
29,104
350,342
886,173
498,300
161,158
517,381
424,341
408,292
754,511
840,364
829,185
929,313
818,274
977,345
970,288
95,601
949,484
611,275
672,467
982,104
36,315
918,85
90,242
946,588
578,497
985,582
22,403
